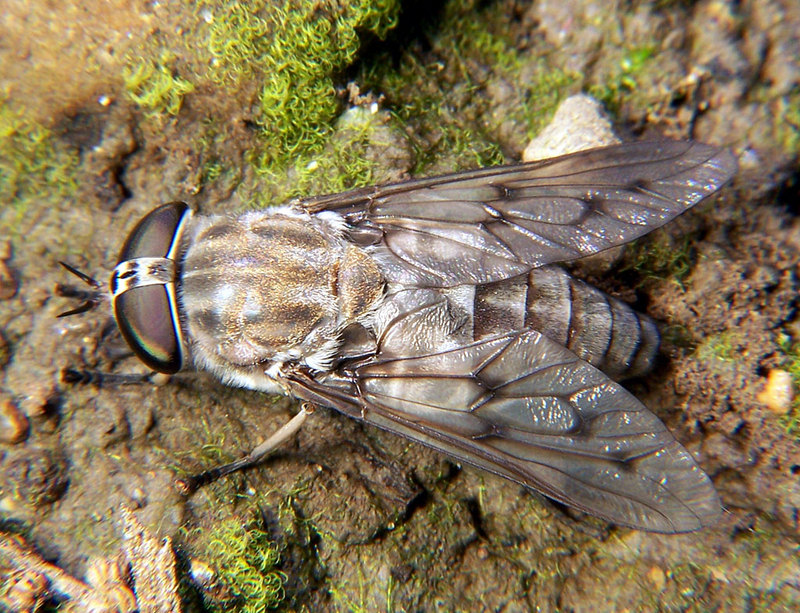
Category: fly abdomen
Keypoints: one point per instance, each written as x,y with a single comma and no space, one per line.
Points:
600,329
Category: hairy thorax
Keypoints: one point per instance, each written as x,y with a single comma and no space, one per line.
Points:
268,288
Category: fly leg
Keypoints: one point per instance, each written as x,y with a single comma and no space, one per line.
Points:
98,378
188,485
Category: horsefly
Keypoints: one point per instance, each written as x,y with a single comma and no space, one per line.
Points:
432,309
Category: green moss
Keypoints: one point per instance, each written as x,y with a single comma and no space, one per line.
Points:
791,362
538,87
33,164
294,50
154,86
661,258
722,347
215,448
787,122
545,93
346,162
246,559
457,113
623,83
280,64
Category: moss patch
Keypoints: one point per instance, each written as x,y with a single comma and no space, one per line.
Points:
269,78
33,163
722,347
791,421
262,76
627,79
246,560
154,85
660,258
787,122
294,51
344,164
457,111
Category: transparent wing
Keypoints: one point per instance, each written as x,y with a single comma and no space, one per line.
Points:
495,223
524,407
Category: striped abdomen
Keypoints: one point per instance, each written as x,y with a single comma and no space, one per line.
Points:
600,329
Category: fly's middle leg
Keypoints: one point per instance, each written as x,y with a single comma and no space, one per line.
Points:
188,485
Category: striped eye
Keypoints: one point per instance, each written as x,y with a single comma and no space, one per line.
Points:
143,288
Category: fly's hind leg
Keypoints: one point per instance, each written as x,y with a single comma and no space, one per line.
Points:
187,485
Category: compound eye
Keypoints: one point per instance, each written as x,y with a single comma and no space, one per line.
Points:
145,319
143,289
154,235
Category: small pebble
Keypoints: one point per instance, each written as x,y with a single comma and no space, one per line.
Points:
778,392
201,573
119,596
14,425
580,123
657,577
107,571
35,396
38,476
206,579
110,578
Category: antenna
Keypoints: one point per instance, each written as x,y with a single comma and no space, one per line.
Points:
90,298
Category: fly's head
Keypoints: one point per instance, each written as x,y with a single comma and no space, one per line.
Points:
143,288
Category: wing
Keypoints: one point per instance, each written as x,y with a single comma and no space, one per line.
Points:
524,407
496,223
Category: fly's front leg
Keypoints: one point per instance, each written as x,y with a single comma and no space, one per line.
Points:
190,484
100,379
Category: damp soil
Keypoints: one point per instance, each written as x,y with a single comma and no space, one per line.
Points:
365,520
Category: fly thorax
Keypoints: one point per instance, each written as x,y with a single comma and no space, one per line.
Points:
264,288
359,285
